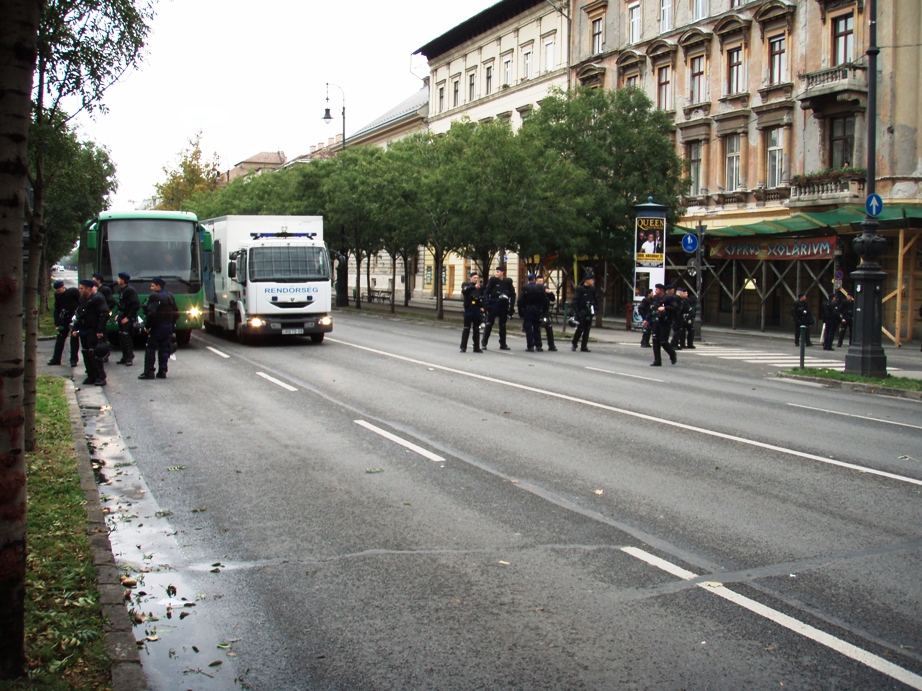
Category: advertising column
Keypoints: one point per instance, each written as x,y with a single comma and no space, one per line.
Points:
649,247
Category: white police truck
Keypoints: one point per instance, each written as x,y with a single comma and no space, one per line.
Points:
268,275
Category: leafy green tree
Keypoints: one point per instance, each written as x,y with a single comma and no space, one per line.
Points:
623,146
17,57
192,175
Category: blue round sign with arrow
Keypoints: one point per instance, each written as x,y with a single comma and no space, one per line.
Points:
690,243
874,205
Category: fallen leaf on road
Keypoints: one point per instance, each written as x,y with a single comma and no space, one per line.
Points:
598,491
176,467
216,663
504,563
153,638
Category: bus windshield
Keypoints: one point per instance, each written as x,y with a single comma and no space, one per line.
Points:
287,264
151,248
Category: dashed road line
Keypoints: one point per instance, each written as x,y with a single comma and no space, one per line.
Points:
622,374
277,382
218,352
399,440
860,417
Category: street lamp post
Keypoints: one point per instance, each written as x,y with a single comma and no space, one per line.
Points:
866,355
699,278
342,269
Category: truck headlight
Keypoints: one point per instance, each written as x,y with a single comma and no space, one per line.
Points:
257,322
326,321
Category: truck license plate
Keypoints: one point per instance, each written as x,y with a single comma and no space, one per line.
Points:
292,332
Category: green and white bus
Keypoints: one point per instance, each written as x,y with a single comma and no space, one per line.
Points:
147,245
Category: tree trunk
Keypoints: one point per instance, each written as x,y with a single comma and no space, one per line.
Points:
439,303
32,275
368,276
393,280
358,279
17,65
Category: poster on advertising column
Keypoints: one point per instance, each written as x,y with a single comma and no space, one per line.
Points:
649,254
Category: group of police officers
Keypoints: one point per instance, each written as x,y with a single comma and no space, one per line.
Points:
82,314
837,313
663,309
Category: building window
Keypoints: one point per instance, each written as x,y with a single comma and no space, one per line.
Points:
693,153
735,3
471,86
526,63
732,154
549,63
777,60
635,29
633,81
507,71
775,162
696,83
488,80
596,36
841,141
735,71
700,9
663,90
665,15
843,39
441,99
456,93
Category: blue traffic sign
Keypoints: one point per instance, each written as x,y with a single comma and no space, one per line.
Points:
690,243
874,205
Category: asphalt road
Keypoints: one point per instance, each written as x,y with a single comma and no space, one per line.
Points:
558,520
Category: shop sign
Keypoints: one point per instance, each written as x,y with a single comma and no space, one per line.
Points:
773,249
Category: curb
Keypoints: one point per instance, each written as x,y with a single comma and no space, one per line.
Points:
856,386
127,674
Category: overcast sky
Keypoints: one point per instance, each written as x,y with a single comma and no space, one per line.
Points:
251,76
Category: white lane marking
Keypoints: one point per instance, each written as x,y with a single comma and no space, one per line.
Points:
622,374
837,644
277,382
641,416
398,440
217,352
860,417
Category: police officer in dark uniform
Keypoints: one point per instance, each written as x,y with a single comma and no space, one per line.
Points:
105,291
802,316
831,320
90,325
679,324
691,309
499,296
585,301
66,301
847,312
472,295
533,303
664,309
645,310
160,310
546,315
126,313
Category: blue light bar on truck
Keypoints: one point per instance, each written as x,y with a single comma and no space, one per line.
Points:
257,236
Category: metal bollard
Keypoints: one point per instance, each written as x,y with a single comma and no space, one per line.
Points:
803,343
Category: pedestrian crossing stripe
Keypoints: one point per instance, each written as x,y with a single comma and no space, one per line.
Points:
771,359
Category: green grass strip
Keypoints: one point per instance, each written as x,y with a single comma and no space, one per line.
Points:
65,646
890,382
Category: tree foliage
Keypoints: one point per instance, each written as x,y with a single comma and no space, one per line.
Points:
192,175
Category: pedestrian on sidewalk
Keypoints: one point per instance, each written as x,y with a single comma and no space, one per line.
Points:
831,320
162,313
126,314
847,312
90,325
645,310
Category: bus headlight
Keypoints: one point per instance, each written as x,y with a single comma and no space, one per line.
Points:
193,313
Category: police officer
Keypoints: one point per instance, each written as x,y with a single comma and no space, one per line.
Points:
645,310
105,291
585,301
546,316
66,301
90,325
126,313
847,312
831,320
533,303
802,316
664,309
691,308
499,296
472,295
160,310
679,323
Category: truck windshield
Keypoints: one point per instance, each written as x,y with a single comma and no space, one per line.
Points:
148,248
287,264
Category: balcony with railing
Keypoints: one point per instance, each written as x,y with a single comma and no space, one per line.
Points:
835,187
841,84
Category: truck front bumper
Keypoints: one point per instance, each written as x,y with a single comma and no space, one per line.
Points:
290,326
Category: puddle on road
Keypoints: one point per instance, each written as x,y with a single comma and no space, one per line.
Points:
167,604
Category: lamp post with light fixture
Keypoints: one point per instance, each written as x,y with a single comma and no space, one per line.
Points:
342,289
